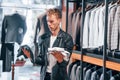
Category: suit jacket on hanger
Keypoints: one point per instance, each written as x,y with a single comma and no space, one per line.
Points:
13,28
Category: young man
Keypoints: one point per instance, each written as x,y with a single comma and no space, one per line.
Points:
54,63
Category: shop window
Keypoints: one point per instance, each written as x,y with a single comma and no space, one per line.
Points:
31,9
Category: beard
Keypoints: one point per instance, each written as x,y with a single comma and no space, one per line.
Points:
54,30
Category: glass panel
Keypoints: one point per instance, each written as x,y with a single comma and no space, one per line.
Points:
47,2
31,23
31,9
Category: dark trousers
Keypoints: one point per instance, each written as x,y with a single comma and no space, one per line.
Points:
47,76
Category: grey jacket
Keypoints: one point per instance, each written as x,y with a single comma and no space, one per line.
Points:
59,71
13,28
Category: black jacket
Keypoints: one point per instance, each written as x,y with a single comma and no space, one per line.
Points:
59,71
13,28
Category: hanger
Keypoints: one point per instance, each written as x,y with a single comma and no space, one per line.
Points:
89,6
102,4
114,72
89,66
98,3
118,2
113,2
15,9
79,9
117,76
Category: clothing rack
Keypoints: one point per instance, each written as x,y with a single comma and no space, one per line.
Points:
67,6
81,34
105,40
102,60
96,61
83,13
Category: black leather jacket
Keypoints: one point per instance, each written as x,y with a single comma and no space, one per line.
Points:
59,71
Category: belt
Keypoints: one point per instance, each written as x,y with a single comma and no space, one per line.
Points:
47,73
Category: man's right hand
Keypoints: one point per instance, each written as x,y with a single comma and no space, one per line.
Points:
26,52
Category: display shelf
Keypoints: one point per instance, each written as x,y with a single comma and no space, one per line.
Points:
97,61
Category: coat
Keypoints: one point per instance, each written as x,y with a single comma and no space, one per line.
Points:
13,28
59,71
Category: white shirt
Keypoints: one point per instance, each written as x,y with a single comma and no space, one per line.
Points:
101,26
52,60
96,28
86,30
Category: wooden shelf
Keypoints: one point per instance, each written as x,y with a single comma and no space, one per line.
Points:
109,64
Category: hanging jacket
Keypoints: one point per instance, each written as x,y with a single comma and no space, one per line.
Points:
13,28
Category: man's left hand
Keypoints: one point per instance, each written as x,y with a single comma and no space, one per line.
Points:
58,56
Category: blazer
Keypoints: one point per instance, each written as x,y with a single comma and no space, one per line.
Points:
13,28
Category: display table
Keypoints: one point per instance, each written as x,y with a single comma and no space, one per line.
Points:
23,71
27,71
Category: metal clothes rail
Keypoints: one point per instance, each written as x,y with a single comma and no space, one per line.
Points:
81,34
82,56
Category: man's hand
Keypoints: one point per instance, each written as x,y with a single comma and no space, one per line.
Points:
26,52
58,56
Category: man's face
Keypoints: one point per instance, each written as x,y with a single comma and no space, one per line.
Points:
53,23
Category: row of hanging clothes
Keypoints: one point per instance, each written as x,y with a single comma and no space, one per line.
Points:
94,17
93,29
74,25
90,72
